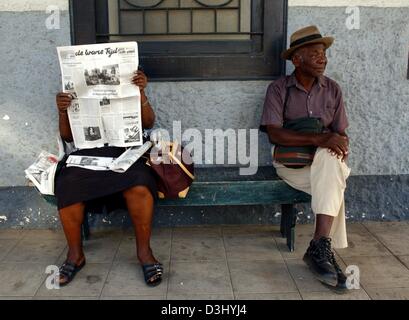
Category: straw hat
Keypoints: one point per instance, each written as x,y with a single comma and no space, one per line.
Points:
305,36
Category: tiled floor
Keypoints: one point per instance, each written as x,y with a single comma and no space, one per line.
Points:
230,262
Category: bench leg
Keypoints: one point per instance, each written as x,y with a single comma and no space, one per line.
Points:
287,227
85,228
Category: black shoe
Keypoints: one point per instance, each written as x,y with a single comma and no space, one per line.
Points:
342,279
320,258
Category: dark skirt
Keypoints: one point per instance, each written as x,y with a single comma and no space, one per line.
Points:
99,189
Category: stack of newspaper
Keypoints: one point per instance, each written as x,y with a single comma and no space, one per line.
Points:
41,173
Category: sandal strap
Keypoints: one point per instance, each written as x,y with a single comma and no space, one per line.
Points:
69,269
152,270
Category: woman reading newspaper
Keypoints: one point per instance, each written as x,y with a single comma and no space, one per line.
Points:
78,188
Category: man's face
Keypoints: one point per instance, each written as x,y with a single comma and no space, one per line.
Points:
311,60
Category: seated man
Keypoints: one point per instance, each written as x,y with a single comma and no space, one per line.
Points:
78,188
308,93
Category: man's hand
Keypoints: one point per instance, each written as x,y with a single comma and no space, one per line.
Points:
140,79
335,143
63,101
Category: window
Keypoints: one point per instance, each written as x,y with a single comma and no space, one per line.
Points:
191,39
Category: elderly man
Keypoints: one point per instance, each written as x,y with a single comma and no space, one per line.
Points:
308,94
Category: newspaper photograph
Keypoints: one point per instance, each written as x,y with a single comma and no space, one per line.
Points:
97,122
99,70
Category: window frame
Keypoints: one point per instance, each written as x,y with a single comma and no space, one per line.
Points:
210,60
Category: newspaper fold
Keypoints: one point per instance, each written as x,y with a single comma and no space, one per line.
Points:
119,165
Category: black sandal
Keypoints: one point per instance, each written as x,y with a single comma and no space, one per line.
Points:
69,270
153,274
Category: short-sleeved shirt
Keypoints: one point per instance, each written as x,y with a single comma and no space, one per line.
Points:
323,101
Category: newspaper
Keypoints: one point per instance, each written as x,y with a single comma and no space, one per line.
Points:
116,122
106,109
99,70
42,172
119,165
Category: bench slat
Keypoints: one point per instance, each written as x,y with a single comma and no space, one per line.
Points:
239,193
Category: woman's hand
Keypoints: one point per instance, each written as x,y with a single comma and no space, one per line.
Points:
63,101
140,79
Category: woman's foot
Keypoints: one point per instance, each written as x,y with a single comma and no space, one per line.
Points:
72,265
152,269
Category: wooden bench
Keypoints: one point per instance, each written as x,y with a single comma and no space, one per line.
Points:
223,186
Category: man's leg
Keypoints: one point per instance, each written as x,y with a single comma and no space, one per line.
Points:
323,225
328,182
325,181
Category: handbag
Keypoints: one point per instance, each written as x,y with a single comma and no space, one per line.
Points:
174,174
297,157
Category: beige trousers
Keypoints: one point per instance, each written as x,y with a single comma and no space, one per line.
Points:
325,181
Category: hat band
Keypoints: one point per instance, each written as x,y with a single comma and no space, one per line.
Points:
305,39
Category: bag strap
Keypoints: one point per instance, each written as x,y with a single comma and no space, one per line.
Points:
287,95
182,166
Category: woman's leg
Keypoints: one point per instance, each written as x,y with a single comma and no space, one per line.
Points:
140,203
71,218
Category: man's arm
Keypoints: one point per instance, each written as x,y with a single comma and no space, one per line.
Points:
334,141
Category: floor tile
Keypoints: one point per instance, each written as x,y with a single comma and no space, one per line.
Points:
11,234
349,295
362,243
251,247
404,260
127,249
126,279
389,294
196,232
87,283
380,272
393,235
21,279
199,277
261,277
200,297
38,250
256,230
268,296
6,245
147,297
303,236
195,249
44,234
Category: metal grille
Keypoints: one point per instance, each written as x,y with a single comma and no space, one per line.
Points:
147,18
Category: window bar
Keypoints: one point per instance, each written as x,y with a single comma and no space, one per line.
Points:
119,17
215,20
191,20
167,22
239,26
143,22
